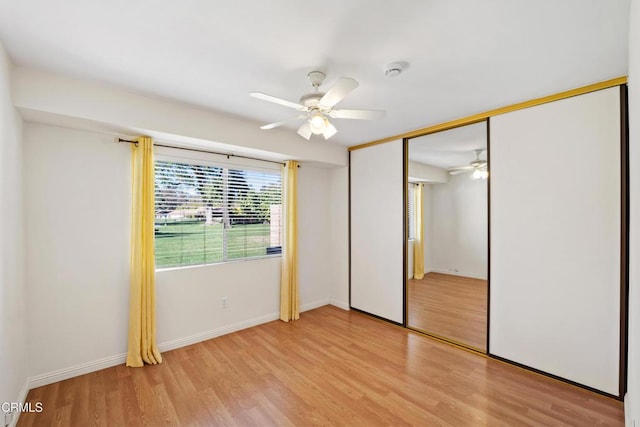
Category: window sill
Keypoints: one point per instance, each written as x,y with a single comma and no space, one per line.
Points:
233,261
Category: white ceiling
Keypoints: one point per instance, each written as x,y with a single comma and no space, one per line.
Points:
450,148
465,56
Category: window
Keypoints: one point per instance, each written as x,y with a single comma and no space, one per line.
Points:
207,214
411,210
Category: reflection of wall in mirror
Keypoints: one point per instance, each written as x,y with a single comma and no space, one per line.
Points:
426,173
456,227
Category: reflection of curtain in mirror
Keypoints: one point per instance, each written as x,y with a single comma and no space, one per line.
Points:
418,242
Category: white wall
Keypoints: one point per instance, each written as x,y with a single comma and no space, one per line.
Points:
78,193
377,237
77,200
632,400
458,227
555,238
339,240
59,99
189,300
314,234
421,172
13,314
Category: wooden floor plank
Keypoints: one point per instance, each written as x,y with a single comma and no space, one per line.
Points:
331,367
451,307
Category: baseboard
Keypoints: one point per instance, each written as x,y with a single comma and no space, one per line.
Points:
21,398
74,371
340,304
218,332
312,305
457,273
108,362
234,327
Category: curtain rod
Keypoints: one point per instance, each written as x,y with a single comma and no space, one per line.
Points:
205,151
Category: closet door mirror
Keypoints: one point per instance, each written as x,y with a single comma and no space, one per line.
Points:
447,245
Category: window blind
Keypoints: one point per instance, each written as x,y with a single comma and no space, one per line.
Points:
208,214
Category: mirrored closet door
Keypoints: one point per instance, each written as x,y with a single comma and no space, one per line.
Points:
447,247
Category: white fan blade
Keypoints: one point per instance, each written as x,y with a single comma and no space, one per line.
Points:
357,114
280,101
459,170
340,89
305,130
281,122
329,131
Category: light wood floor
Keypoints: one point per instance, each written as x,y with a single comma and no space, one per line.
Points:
452,307
332,367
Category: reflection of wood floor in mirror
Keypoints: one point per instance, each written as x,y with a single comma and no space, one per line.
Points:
452,307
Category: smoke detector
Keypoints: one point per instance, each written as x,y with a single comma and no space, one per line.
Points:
394,69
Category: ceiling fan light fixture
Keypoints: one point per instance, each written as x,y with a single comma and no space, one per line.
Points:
305,130
315,108
329,130
318,123
479,174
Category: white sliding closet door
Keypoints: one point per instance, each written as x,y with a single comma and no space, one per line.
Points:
377,236
555,238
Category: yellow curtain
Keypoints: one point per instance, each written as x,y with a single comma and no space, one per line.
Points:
142,299
418,242
289,309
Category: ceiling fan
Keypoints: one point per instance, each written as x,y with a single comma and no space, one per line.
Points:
477,166
317,107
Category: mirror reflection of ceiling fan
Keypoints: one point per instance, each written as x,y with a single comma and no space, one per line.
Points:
317,107
477,167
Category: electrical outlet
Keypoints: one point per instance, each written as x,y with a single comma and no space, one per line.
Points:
225,302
